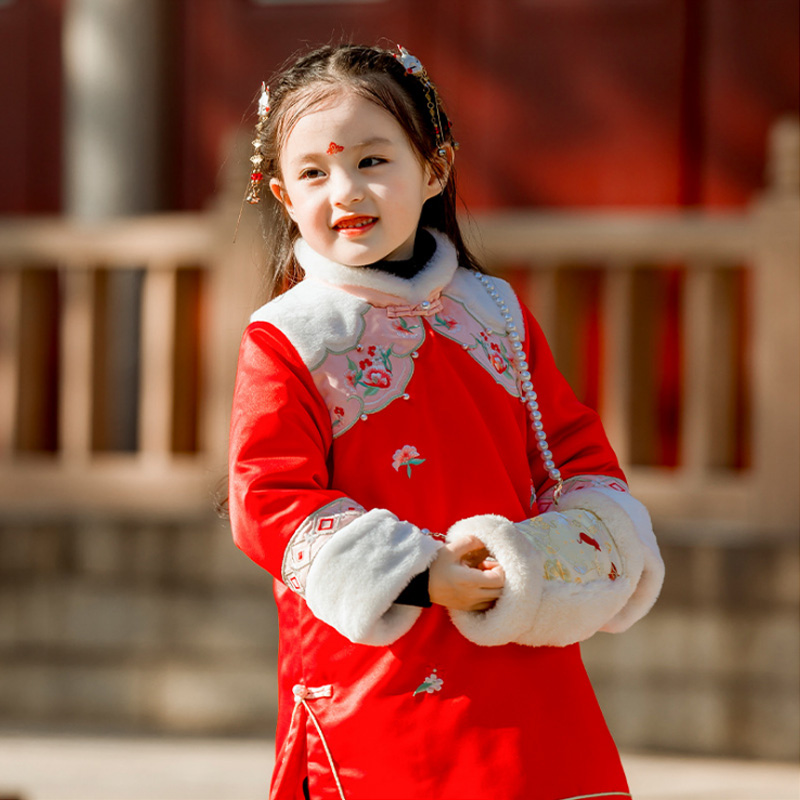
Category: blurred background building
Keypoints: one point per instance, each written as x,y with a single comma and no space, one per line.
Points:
631,165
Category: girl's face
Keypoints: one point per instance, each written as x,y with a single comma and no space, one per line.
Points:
353,183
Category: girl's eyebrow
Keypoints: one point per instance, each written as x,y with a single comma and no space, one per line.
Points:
380,140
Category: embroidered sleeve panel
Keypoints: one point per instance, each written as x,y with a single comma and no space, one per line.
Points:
312,535
577,547
545,500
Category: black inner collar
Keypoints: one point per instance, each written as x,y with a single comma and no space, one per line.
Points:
424,248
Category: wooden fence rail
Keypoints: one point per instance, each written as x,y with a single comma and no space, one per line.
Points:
734,280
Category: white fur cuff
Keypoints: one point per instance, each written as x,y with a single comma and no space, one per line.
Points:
523,565
355,579
630,523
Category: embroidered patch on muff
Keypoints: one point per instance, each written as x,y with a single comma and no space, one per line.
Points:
577,549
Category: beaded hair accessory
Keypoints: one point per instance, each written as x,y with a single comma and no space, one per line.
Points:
253,195
413,66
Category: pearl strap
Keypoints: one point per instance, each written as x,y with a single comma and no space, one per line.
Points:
526,390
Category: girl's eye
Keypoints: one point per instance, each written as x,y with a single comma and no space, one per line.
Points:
310,174
371,161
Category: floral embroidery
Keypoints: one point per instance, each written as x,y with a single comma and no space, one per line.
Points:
406,456
496,354
373,372
448,323
486,346
402,328
433,683
373,366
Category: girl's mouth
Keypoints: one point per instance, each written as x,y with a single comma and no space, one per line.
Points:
353,226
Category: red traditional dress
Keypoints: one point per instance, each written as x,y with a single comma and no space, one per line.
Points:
373,415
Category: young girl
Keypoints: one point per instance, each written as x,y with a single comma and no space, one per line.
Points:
443,519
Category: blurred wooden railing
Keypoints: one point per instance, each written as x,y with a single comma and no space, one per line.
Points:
702,306
52,273
722,293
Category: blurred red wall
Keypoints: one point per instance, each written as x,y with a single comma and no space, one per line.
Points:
556,102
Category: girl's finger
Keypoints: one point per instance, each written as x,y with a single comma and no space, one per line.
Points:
490,578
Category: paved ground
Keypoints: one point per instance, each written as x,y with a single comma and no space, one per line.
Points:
119,768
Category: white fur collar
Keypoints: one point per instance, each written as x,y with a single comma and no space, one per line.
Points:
436,274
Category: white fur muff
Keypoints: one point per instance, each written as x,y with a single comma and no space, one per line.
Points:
536,611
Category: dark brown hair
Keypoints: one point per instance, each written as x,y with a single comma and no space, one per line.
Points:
378,76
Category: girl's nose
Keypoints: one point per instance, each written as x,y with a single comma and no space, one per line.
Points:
346,188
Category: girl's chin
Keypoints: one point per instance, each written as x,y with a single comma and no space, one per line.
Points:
355,253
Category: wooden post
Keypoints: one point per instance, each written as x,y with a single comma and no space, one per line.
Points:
157,348
776,332
75,434
10,300
616,382
699,372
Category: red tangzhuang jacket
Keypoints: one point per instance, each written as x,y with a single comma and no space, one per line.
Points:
372,416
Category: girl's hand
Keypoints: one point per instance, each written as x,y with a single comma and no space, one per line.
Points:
462,578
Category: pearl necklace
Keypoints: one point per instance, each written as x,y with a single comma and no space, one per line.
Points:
526,390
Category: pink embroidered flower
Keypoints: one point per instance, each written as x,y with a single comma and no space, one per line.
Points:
448,323
407,456
351,377
375,376
402,328
498,362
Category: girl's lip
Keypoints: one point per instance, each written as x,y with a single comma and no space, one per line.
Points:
354,226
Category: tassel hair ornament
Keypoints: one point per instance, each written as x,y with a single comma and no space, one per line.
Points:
253,195
413,66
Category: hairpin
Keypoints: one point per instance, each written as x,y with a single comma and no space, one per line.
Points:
253,195
413,66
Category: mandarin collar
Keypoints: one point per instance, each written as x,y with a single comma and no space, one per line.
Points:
381,288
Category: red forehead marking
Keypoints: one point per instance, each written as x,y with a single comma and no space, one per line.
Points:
334,148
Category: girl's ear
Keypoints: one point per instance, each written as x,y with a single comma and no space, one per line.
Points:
282,196
439,169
